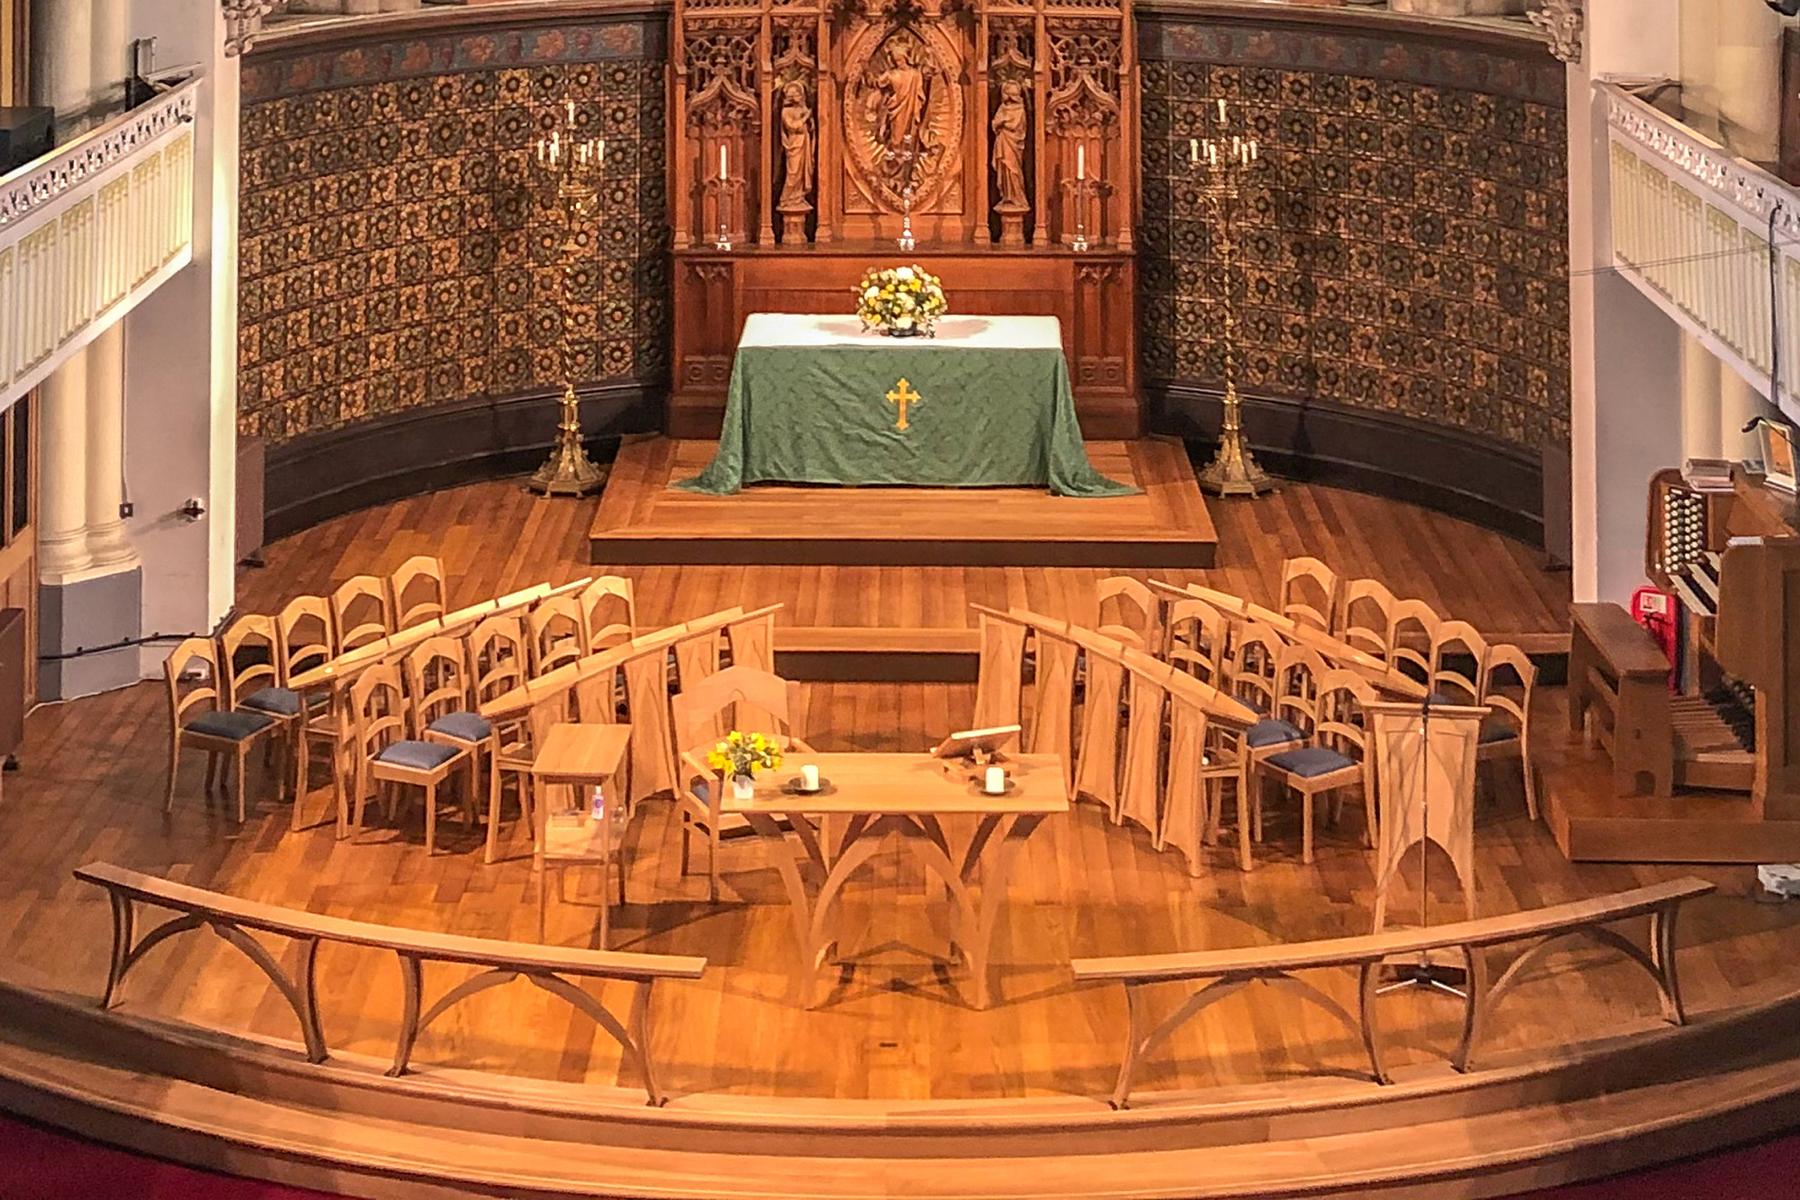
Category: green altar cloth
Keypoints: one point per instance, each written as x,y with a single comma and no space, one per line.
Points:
986,404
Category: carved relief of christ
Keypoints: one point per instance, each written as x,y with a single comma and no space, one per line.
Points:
896,100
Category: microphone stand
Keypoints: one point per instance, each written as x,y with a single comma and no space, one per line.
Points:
1425,973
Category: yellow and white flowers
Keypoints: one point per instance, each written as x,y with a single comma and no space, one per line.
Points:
742,755
900,300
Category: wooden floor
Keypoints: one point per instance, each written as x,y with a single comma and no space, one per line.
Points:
899,1025
643,520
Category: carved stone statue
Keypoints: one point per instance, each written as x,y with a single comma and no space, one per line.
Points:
1009,148
797,140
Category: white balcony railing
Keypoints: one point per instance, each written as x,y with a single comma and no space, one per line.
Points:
1691,228
88,231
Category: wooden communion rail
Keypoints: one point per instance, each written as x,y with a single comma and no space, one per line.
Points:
548,967
1226,972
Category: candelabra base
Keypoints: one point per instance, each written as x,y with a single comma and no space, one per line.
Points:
1234,472
569,471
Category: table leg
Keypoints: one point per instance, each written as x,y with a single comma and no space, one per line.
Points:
993,895
787,865
606,865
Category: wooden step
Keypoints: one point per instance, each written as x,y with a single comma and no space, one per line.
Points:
253,1108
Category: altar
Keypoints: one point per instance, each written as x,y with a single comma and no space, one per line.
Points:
985,402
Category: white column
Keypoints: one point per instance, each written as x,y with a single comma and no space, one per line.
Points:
62,58
110,59
1699,400
62,478
106,540
62,77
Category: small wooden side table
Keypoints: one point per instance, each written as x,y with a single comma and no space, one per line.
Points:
583,757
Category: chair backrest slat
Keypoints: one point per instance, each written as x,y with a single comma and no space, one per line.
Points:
416,591
361,612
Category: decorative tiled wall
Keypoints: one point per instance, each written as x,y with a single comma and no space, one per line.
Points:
1403,247
395,253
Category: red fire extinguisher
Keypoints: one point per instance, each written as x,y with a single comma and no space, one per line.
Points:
1654,609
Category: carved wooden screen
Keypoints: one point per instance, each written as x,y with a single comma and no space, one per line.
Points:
989,121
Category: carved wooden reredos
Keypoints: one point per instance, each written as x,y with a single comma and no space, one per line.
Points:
834,118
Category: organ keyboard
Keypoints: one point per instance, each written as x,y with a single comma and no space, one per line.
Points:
1732,561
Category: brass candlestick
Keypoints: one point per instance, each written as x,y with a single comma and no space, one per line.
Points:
568,169
1233,470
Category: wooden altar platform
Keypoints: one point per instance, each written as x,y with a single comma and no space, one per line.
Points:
643,521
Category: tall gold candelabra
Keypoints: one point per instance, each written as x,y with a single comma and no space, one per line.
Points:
1222,163
568,173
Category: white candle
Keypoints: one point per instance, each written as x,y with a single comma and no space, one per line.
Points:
602,150
1193,150
1221,110
722,175
1081,160
996,780
571,112
809,777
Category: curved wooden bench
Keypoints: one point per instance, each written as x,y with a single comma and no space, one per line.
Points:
1225,972
548,967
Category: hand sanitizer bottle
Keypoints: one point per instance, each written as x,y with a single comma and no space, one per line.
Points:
599,808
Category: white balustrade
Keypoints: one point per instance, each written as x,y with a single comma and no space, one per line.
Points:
88,231
1691,225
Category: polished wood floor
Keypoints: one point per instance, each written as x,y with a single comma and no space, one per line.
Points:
642,519
898,1025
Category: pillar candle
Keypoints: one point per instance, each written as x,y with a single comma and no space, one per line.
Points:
809,777
996,780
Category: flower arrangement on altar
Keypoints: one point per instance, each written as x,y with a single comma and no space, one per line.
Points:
741,755
900,301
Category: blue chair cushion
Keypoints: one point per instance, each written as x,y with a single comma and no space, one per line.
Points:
466,726
1271,732
233,726
1309,762
418,756
282,702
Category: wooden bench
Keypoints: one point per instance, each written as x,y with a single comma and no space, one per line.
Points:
548,967
1616,666
1225,972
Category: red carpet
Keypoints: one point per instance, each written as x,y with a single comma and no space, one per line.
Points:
37,1164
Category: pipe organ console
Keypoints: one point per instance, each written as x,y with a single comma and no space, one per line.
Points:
1732,720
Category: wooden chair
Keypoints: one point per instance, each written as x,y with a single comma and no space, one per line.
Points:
1455,640
608,612
308,639
1507,688
516,756
360,612
1338,756
1195,636
1309,592
439,685
554,633
1298,670
1256,649
1367,618
254,673
1128,612
199,717
700,790
1415,632
499,661
389,757
416,591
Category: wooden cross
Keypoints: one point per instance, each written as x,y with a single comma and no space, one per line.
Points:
903,395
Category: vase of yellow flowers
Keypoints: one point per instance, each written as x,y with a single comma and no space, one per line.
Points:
900,301
741,755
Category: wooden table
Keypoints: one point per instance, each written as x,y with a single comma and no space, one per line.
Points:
908,795
583,757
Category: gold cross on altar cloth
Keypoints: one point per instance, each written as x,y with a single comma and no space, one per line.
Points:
903,395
